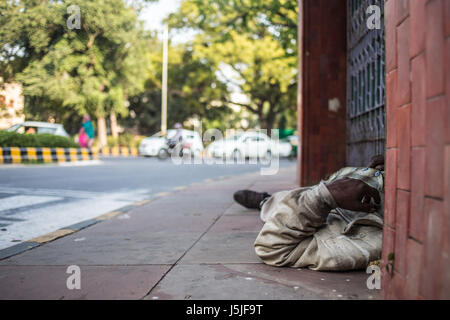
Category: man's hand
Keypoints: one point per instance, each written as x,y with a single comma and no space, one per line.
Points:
354,195
377,162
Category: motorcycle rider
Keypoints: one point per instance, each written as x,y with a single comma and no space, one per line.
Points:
178,137
176,143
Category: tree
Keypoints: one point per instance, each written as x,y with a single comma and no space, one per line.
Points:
243,16
253,46
88,70
193,90
258,69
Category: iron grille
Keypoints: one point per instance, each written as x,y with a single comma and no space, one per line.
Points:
366,84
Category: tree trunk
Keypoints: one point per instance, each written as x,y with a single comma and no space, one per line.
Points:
101,126
114,128
266,121
270,122
261,121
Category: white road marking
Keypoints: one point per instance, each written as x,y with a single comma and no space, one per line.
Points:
14,202
10,166
51,192
34,222
80,163
135,195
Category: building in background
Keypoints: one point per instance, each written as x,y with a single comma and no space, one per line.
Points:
11,105
366,91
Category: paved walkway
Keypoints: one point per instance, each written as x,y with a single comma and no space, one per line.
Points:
193,243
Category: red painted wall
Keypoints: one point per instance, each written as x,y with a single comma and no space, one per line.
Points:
417,210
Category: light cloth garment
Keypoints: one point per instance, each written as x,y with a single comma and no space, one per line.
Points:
304,228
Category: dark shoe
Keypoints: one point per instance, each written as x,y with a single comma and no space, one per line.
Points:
250,199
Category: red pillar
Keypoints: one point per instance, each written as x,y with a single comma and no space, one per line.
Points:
322,84
417,211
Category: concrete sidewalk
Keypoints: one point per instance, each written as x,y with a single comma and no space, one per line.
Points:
193,243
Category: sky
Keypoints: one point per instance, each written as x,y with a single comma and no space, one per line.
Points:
155,13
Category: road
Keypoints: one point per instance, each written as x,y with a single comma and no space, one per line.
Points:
38,199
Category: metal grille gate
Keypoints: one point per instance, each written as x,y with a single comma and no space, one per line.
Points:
366,84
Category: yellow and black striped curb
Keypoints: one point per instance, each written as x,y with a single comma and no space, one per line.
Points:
46,155
116,151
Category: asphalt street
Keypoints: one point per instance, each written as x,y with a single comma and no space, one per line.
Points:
38,199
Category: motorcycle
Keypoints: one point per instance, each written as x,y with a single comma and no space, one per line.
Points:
173,147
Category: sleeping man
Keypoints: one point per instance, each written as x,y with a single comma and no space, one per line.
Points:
335,225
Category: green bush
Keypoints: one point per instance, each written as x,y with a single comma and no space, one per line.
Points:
127,140
124,140
40,140
112,142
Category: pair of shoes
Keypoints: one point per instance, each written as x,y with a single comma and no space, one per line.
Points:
250,199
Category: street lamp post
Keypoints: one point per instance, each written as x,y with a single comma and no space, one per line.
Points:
164,81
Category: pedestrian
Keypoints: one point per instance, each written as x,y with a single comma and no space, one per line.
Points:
88,129
335,225
82,138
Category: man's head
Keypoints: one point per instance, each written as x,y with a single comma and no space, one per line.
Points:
359,189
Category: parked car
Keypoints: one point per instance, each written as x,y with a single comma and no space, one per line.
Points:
284,148
248,145
152,146
39,127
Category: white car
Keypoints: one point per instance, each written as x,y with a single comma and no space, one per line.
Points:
151,146
248,145
284,149
39,127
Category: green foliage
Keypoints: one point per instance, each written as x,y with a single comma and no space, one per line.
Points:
252,45
124,140
130,140
112,142
65,72
40,140
278,17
